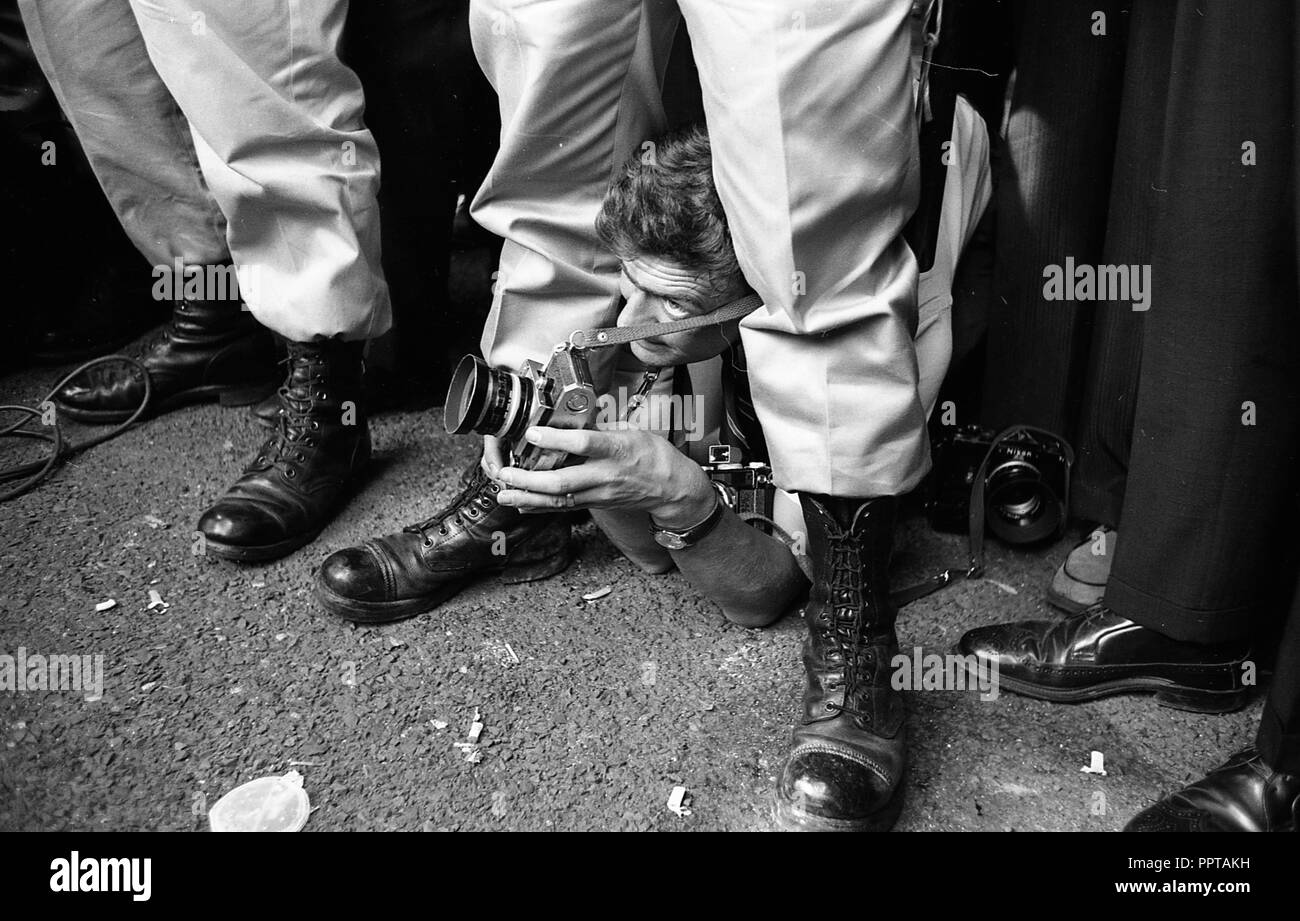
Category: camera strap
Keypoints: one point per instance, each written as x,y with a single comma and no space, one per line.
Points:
975,536
620,335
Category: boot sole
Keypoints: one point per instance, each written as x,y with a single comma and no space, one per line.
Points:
262,554
789,818
214,393
382,612
1167,693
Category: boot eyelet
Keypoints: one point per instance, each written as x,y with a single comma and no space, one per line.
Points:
442,529
427,544
291,473
315,424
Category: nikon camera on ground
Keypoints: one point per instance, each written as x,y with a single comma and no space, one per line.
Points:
1025,474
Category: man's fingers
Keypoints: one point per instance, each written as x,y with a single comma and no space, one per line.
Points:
524,500
552,482
492,458
585,442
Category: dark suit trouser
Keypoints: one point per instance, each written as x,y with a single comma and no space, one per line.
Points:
1278,739
1075,166
1209,508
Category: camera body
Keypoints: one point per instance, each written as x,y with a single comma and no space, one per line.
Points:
1026,483
494,402
747,488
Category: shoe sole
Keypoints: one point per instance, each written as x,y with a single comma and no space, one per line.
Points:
1064,603
383,612
1167,693
789,818
214,393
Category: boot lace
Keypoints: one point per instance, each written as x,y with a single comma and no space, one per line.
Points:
473,500
297,425
847,619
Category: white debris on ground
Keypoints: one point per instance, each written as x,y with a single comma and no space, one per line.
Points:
1097,765
679,802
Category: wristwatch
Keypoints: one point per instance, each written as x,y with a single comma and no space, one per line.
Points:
680,540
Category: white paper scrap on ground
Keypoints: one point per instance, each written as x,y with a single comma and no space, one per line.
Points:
678,801
1098,765
598,593
106,605
265,804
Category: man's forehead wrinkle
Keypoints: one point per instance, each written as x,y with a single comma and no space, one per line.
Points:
662,280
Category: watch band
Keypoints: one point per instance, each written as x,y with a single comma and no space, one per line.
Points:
675,539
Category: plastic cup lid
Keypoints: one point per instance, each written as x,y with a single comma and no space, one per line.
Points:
265,804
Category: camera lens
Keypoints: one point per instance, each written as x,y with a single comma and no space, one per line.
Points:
1019,506
486,400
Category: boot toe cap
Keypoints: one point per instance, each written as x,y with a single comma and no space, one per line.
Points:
240,525
822,786
355,573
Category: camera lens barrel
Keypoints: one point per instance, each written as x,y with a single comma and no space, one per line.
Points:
486,400
1020,507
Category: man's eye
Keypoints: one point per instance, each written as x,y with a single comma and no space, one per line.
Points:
677,309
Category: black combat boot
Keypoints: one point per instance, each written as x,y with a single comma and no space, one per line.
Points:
300,476
400,575
209,350
844,771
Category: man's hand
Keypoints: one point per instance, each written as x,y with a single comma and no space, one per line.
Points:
626,468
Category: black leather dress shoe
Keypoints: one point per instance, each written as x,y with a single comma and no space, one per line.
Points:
1098,653
210,350
403,574
1245,794
301,475
844,771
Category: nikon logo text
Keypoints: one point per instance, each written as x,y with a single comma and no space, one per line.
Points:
103,874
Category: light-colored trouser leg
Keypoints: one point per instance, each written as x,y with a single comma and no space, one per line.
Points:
136,139
809,106
277,121
579,86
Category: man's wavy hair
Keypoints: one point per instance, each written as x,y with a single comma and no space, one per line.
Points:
666,205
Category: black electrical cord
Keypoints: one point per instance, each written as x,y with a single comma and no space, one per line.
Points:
36,471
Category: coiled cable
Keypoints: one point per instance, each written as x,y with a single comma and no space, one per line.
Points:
33,473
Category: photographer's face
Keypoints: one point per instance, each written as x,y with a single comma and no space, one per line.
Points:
659,290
